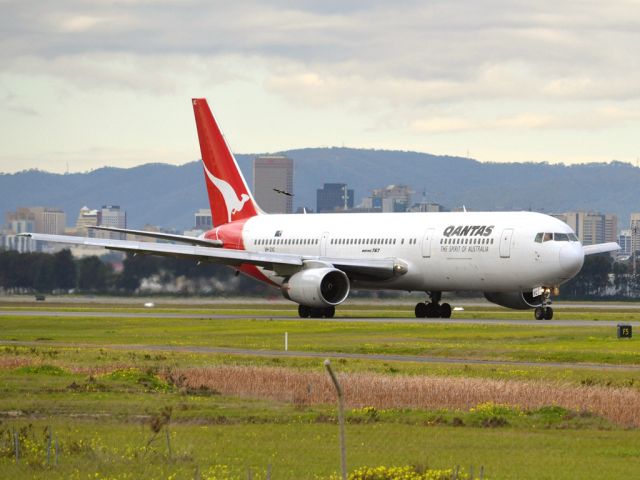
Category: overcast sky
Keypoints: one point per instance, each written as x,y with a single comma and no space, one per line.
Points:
93,83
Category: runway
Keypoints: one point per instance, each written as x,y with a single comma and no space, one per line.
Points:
319,355
425,321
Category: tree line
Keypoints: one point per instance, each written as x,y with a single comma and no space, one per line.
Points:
600,277
61,273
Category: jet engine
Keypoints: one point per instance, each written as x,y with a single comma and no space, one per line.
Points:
515,300
317,287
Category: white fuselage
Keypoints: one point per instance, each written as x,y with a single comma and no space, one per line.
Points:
486,251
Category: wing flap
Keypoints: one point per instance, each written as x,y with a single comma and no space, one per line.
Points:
163,236
370,268
220,255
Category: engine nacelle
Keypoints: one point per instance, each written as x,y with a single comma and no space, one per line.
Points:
515,300
317,287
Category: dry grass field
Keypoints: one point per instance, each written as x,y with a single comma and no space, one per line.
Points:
620,405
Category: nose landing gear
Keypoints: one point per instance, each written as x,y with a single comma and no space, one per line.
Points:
433,309
544,311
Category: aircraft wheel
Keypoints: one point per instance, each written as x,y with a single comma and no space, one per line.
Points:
548,313
539,313
316,312
421,310
304,311
433,310
445,310
329,312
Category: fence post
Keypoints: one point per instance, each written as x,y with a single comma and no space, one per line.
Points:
16,442
343,451
49,446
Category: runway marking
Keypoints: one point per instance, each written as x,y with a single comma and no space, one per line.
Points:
323,355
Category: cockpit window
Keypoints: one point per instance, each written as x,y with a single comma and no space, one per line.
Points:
557,236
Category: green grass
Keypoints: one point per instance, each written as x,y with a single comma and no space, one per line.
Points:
109,358
300,451
103,428
597,344
102,422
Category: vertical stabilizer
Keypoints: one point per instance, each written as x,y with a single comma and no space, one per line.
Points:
229,196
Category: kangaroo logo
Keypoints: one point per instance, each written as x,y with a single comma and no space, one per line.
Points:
231,200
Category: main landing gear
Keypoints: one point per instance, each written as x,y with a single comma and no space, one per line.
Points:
544,311
316,312
433,309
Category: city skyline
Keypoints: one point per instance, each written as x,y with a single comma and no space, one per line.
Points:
91,84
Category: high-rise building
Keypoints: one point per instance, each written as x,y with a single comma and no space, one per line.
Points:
392,198
634,226
112,216
427,207
333,196
54,221
624,240
39,219
203,220
271,173
86,218
592,227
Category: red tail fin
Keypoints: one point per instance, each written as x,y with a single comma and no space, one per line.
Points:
229,196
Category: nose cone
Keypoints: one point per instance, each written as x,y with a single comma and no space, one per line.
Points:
571,259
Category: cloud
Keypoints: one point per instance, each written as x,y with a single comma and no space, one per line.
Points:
419,67
596,119
568,50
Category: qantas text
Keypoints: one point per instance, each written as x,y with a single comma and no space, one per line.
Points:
468,230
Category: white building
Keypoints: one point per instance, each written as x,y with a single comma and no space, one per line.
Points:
112,216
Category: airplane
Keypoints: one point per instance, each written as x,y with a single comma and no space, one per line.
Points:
283,192
517,259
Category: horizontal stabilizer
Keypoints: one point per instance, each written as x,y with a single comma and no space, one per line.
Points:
600,248
163,236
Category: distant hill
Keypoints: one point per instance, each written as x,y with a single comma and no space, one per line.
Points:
168,195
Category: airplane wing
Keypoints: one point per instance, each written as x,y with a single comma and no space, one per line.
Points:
600,248
287,263
163,236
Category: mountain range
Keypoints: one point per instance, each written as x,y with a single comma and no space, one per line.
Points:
168,195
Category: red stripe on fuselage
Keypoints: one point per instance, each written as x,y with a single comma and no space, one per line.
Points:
231,236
